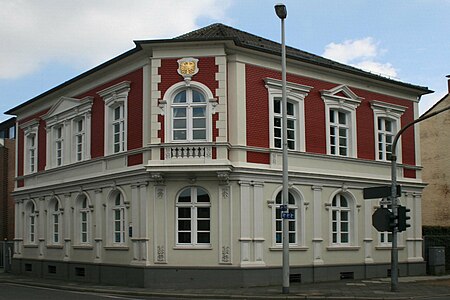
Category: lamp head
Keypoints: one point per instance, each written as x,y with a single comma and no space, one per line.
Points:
281,11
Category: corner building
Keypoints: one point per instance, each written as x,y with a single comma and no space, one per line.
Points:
163,165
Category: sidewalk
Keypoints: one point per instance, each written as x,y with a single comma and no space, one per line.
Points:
409,288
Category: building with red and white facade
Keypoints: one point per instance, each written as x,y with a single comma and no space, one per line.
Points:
164,165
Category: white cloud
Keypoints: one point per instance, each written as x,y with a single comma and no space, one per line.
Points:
362,54
84,33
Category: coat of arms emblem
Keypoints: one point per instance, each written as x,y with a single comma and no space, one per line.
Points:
187,67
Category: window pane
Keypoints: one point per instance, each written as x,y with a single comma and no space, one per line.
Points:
342,132
179,123
344,216
278,237
180,97
291,237
344,226
277,122
291,225
334,237
388,125
290,109
278,225
202,195
291,199
203,212
185,196
277,132
184,212
291,145
199,111
199,123
278,213
179,135
197,97
199,134
203,225
291,134
332,113
184,225
277,106
342,118
179,112
277,143
290,124
344,237
117,112
343,201
203,237
184,237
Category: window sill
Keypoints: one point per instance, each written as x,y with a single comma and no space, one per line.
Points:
83,247
291,248
388,247
343,248
192,247
54,246
30,246
120,248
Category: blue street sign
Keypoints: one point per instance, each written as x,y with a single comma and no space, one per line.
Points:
288,216
283,207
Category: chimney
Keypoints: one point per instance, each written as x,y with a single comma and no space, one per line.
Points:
448,83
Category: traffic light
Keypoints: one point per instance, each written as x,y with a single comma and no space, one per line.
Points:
403,218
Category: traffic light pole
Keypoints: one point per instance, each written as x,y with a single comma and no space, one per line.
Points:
394,205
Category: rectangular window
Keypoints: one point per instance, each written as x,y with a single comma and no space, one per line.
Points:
31,143
119,225
278,124
339,133
118,129
79,140
56,228
59,145
385,138
84,227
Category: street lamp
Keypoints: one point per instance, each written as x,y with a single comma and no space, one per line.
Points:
281,11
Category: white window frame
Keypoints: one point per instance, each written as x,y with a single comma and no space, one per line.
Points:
393,113
79,139
31,215
58,140
166,106
334,100
30,129
115,96
352,222
122,208
79,212
194,205
295,94
55,222
64,114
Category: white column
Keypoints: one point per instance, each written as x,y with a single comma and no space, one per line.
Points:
49,151
245,238
368,240
317,227
99,221
258,222
67,219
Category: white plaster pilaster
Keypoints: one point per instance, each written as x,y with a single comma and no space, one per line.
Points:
42,226
160,225
144,222
67,217
258,222
99,221
245,238
317,227
225,224
135,220
368,239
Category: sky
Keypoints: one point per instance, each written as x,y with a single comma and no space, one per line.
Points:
47,42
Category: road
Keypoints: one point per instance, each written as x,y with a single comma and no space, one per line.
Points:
9,291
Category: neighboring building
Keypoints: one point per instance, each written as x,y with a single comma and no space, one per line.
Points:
163,165
435,142
7,175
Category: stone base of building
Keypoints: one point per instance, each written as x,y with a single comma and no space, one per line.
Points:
203,277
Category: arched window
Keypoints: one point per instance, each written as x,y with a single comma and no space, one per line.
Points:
193,215
189,116
82,220
340,220
55,222
31,223
292,208
118,212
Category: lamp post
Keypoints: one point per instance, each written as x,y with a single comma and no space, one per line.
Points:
394,205
281,11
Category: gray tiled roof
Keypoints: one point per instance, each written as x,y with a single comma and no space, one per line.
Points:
244,39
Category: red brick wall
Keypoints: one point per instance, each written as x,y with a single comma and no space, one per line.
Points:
135,116
257,110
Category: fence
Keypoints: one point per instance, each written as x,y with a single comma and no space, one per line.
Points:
6,253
